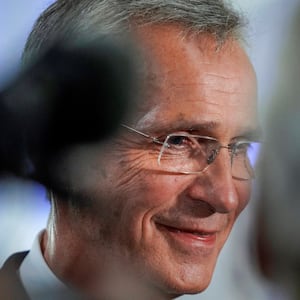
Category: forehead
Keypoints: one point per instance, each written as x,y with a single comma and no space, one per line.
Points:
191,81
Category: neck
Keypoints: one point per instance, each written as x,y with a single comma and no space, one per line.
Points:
80,261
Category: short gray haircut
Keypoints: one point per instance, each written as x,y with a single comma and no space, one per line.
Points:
76,19
216,17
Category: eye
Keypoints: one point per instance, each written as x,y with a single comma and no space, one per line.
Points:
179,141
241,148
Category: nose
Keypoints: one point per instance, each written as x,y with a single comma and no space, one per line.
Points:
216,186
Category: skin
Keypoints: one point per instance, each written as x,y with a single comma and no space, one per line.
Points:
148,233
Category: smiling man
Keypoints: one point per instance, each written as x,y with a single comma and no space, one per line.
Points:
151,208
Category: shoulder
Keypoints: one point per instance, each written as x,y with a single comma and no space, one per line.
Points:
13,263
10,284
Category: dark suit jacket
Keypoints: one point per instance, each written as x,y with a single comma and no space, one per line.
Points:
11,287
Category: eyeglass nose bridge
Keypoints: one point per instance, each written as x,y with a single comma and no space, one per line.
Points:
214,153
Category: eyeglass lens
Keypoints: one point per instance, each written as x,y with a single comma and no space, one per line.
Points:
192,154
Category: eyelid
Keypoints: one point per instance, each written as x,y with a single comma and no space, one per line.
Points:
164,136
239,143
183,133
235,141
242,141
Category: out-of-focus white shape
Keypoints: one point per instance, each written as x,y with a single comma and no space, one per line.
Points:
23,213
16,20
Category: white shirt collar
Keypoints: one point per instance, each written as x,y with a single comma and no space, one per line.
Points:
38,279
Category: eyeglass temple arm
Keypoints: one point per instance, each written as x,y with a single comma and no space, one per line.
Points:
154,139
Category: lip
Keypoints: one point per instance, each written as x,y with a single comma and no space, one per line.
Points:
190,237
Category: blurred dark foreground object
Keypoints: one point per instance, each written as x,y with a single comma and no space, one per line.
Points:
76,93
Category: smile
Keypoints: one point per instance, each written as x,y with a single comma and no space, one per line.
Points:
190,238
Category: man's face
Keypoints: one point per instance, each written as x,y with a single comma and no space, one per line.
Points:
171,227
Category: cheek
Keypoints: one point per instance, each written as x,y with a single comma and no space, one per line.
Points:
141,194
244,193
127,191
145,193
138,175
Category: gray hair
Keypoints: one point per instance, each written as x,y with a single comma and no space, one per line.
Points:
115,16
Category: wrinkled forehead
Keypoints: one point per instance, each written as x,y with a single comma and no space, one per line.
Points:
194,70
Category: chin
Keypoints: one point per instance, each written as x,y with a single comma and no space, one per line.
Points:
183,285
190,289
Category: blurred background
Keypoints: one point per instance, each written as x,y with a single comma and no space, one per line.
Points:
23,204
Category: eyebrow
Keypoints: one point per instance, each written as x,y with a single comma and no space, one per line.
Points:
253,134
181,125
